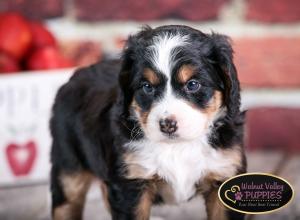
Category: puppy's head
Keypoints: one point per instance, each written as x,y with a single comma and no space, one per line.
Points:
176,81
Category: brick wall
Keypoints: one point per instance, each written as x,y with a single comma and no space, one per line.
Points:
271,11
280,53
266,39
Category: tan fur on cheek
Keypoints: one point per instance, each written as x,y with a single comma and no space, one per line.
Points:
142,115
214,104
213,107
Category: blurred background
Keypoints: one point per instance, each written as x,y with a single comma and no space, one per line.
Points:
42,42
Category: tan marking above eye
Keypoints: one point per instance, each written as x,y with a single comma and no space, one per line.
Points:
151,76
185,73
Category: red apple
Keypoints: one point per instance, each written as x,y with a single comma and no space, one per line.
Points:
8,64
65,63
47,57
41,36
15,35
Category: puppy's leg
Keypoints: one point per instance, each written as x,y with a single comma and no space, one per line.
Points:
143,207
130,201
216,210
72,188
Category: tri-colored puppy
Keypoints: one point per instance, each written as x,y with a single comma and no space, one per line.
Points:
162,125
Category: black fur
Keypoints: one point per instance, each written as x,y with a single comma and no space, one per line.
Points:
91,116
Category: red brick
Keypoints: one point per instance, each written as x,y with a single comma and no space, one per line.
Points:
93,10
200,9
151,9
273,10
34,9
273,128
268,62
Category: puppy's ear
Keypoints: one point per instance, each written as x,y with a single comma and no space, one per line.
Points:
223,57
126,76
131,54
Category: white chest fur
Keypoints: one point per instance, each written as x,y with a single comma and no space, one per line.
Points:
181,164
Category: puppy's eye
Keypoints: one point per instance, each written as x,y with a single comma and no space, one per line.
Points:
148,88
192,86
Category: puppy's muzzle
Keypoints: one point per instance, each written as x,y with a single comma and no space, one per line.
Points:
168,125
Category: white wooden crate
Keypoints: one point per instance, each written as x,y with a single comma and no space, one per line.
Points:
25,106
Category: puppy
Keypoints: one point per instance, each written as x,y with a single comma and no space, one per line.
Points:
160,125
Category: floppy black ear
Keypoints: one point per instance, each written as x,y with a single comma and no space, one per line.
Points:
131,54
126,76
223,54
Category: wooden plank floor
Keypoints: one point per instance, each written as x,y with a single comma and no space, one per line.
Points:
32,202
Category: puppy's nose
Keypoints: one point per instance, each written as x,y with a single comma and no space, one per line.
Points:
168,125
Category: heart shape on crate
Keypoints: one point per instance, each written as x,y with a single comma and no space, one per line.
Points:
21,157
231,193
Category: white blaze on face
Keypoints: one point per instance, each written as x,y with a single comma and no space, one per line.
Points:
190,121
162,53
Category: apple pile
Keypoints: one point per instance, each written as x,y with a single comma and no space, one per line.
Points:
28,45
